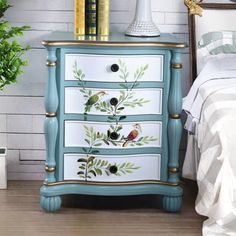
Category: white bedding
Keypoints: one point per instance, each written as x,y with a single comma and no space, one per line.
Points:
211,153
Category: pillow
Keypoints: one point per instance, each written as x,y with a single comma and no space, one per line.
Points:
214,43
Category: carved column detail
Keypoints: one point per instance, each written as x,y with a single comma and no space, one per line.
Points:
51,122
174,124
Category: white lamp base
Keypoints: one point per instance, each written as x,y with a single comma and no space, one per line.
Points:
142,25
142,29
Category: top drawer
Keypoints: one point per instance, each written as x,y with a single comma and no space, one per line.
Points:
114,68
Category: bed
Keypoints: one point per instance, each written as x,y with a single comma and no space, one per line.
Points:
211,111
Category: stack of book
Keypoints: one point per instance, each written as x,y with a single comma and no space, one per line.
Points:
91,17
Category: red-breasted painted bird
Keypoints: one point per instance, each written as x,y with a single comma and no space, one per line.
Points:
93,100
133,134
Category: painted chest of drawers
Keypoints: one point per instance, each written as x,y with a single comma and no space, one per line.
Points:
112,123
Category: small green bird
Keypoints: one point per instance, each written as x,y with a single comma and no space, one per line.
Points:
93,100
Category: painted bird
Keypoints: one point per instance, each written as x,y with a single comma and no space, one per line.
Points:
133,134
93,100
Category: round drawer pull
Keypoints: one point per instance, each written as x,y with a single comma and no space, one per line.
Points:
113,169
114,101
114,135
114,68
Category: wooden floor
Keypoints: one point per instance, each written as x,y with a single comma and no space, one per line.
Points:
21,215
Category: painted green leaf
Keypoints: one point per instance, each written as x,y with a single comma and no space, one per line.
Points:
87,141
94,151
98,171
97,145
82,160
111,117
105,141
122,118
93,172
123,86
80,173
91,158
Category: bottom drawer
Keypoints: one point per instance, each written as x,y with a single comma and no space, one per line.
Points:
112,168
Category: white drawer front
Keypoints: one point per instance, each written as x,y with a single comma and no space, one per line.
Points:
137,102
98,67
108,135
112,168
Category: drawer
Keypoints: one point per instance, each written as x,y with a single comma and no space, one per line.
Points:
110,101
112,168
112,135
114,68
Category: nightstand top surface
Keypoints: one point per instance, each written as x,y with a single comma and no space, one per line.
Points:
114,39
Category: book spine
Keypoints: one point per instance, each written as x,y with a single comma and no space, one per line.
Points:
103,17
91,17
79,17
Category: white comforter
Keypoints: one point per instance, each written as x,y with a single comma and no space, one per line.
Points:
212,105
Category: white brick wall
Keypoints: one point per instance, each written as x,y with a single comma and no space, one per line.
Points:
22,110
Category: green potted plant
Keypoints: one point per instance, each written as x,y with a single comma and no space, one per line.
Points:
11,63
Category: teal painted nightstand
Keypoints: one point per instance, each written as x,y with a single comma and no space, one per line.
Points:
112,123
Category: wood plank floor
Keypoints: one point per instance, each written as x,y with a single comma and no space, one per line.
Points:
21,215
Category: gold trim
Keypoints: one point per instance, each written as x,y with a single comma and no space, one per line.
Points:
117,44
175,116
176,66
111,183
173,170
51,114
50,169
51,63
193,7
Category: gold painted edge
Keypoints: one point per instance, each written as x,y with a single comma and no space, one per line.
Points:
193,7
175,116
51,63
50,169
176,66
50,114
111,183
117,44
173,169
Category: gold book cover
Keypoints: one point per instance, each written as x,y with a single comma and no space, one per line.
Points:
79,17
103,17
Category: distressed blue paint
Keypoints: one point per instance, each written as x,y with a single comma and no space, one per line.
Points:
141,189
50,204
101,118
175,125
113,85
172,204
50,130
114,152
51,124
171,130
51,96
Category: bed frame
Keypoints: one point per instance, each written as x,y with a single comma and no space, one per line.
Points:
207,16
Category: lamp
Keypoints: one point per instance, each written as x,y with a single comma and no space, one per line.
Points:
143,25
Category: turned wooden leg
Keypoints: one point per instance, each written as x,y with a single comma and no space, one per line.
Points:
172,204
50,204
